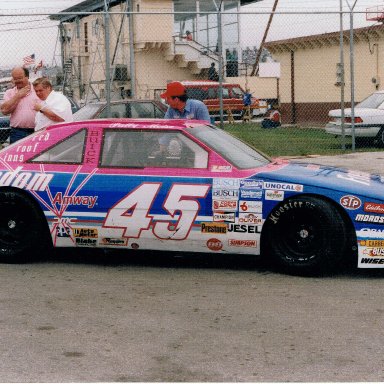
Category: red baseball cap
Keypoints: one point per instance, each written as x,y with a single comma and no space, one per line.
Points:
173,89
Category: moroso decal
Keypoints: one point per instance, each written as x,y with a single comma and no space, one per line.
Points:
113,241
25,180
374,219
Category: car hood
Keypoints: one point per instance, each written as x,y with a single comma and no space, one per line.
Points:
326,177
363,112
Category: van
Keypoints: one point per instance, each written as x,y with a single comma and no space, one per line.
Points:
208,92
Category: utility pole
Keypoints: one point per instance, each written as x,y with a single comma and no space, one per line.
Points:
255,68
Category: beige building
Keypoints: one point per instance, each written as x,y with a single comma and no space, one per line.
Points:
147,47
308,86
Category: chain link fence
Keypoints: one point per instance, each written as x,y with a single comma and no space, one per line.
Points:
299,63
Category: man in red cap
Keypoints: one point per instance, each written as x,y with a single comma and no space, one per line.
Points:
180,107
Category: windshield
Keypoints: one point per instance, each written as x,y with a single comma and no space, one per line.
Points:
87,112
232,149
373,101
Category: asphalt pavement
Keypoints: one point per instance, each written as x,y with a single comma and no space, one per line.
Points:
372,162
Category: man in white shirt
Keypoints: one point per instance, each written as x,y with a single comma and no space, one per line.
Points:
54,108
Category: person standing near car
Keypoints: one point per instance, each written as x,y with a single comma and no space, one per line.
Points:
53,107
180,107
19,103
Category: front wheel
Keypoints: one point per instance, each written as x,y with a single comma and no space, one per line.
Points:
23,233
305,235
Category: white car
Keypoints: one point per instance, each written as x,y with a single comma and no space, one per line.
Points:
369,119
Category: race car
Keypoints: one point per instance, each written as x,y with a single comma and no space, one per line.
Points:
183,185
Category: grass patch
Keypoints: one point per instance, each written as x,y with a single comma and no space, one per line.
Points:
293,140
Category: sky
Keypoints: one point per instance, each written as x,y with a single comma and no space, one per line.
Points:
26,29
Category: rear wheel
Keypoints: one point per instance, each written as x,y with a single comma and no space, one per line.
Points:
23,233
305,235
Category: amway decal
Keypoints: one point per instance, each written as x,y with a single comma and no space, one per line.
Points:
89,201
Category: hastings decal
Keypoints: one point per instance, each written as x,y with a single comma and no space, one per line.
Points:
242,243
374,207
89,201
213,228
25,180
283,186
350,202
374,219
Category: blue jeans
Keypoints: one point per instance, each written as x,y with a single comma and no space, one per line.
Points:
19,133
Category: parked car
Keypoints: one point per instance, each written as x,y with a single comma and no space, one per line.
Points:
135,108
5,128
183,185
208,92
368,120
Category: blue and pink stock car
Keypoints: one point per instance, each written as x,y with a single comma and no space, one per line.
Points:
179,185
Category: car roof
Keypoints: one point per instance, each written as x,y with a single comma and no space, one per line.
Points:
150,124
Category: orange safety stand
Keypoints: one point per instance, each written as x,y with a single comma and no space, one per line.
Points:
230,116
247,114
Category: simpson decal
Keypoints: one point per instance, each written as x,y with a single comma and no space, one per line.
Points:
242,243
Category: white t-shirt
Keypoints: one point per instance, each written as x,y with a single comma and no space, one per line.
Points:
57,103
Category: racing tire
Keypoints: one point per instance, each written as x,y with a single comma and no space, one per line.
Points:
379,139
305,235
23,232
